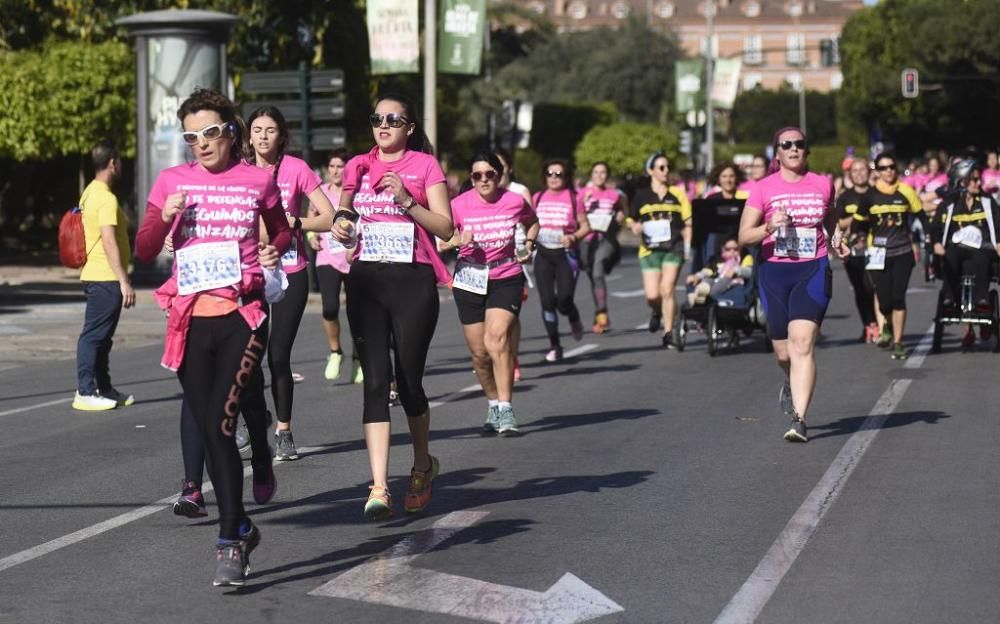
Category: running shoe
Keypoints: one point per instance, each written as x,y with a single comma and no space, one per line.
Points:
601,323
190,503
797,430
333,365
284,446
517,369
576,328
393,395
654,322
885,338
492,420
120,398
554,355
969,339
264,486
872,333
250,539
357,376
785,398
242,437
378,508
421,485
93,403
231,564
506,423
898,352
668,341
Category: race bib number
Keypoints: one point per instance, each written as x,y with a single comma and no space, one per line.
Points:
795,242
880,241
470,277
600,222
550,238
387,242
290,257
875,258
333,245
657,232
968,236
206,266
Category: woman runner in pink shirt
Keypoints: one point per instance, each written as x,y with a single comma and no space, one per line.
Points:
488,282
789,213
399,192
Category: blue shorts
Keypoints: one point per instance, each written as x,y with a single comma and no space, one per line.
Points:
791,291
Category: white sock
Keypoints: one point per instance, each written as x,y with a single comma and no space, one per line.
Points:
503,404
494,402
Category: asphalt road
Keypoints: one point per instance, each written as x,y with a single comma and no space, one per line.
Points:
658,480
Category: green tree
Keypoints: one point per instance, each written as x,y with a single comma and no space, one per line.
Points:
625,146
759,112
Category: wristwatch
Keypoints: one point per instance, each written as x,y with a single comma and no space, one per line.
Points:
410,203
297,224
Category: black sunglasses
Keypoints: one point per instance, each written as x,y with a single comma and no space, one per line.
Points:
489,174
787,145
886,167
393,120
555,174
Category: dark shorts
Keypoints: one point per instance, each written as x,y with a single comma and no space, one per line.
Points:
505,293
791,291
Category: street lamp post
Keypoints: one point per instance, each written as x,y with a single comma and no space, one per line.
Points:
709,69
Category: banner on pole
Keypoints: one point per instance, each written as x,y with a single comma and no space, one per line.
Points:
393,40
726,82
687,91
460,44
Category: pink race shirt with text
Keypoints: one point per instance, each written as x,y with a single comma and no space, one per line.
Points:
492,226
555,210
296,180
598,201
221,206
331,253
377,205
806,202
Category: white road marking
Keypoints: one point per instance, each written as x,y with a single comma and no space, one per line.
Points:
28,408
916,359
454,396
757,590
390,579
627,294
584,348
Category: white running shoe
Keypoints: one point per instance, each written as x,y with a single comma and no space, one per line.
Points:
93,403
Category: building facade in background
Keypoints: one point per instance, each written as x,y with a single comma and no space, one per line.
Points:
779,41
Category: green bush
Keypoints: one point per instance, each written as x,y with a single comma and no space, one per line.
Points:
625,146
557,128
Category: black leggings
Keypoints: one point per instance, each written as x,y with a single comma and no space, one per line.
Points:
286,315
960,260
221,356
556,271
864,291
392,307
892,281
330,280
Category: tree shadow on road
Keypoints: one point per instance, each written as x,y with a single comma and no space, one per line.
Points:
850,425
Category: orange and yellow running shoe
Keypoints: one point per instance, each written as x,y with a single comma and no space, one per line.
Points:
378,508
421,484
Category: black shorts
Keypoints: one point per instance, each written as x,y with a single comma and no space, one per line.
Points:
504,293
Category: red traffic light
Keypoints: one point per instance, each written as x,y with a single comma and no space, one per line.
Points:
910,82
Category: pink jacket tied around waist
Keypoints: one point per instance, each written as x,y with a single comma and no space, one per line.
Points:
181,307
369,163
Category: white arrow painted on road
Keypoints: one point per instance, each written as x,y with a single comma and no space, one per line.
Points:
389,579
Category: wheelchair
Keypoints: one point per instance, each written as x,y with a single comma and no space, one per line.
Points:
964,311
739,311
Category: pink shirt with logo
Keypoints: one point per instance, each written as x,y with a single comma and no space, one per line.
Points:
492,226
594,200
221,206
331,253
806,202
418,172
296,180
555,211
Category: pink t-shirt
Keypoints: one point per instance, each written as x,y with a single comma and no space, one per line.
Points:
331,252
492,226
806,202
221,206
296,180
556,212
991,180
418,171
595,201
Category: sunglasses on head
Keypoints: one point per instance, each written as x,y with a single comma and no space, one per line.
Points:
554,174
209,133
393,120
886,167
489,174
787,145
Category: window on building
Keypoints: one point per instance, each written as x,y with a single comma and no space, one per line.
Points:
752,80
794,8
665,10
620,9
795,49
577,9
836,80
751,8
753,52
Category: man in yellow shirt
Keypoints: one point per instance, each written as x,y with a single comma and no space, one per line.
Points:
105,283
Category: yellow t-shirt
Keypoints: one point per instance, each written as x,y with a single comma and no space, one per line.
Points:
99,206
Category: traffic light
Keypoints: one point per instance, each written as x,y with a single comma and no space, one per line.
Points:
910,80
685,142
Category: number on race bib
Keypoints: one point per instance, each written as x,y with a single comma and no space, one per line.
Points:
550,238
291,257
471,277
387,242
600,222
968,236
657,232
875,258
205,266
795,242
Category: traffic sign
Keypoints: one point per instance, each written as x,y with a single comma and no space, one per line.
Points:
325,109
264,83
322,138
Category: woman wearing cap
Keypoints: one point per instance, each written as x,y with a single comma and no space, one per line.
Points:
789,213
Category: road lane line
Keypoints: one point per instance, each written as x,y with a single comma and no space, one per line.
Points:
585,348
28,408
757,590
454,396
916,359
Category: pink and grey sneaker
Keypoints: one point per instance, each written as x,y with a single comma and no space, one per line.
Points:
190,503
